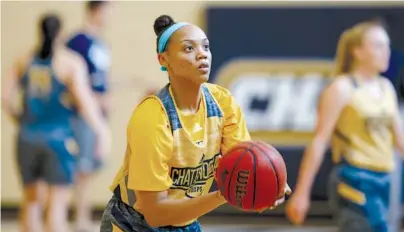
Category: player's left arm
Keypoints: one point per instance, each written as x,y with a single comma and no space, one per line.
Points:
398,131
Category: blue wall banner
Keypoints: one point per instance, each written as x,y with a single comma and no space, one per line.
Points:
277,60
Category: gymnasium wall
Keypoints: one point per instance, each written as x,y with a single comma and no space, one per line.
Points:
135,68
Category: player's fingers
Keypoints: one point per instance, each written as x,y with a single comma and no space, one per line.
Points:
288,190
219,159
277,202
280,201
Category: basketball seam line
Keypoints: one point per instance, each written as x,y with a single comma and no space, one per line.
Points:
234,167
255,175
273,167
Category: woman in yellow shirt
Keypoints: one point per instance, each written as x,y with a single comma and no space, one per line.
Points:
175,139
358,112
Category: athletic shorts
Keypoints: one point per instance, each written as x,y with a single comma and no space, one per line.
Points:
120,217
359,199
86,140
48,158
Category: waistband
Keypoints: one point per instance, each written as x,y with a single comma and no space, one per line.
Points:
345,163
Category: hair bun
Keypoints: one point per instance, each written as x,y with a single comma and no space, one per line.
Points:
162,23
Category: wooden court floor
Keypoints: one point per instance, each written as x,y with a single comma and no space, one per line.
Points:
232,224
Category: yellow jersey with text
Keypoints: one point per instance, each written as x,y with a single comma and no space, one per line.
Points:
168,150
363,136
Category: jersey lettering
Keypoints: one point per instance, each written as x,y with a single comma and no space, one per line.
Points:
40,84
192,180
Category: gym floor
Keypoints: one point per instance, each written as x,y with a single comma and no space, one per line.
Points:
223,221
234,224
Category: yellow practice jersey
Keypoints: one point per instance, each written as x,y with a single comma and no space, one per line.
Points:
169,150
363,135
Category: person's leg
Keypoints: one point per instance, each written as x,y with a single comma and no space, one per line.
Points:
29,165
346,218
88,165
57,209
32,208
360,200
60,175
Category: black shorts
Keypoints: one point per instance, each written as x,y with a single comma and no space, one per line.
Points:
51,159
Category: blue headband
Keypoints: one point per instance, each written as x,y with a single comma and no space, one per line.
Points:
166,36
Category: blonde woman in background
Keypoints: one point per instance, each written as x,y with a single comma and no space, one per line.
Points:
359,113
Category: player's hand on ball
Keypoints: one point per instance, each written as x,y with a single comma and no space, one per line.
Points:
280,201
297,208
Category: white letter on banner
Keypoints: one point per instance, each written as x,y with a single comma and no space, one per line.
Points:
247,88
303,112
290,101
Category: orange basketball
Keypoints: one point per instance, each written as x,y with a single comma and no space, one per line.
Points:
252,175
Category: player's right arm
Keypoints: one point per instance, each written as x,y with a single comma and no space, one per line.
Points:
331,103
87,104
151,143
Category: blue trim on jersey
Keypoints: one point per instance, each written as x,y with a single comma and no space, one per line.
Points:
211,106
213,109
169,105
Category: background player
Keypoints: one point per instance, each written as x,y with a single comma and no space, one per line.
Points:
89,45
181,130
49,78
359,110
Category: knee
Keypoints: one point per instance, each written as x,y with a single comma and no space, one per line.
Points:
32,194
83,179
58,197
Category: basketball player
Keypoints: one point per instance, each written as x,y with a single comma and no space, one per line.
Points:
175,139
49,78
359,112
88,44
